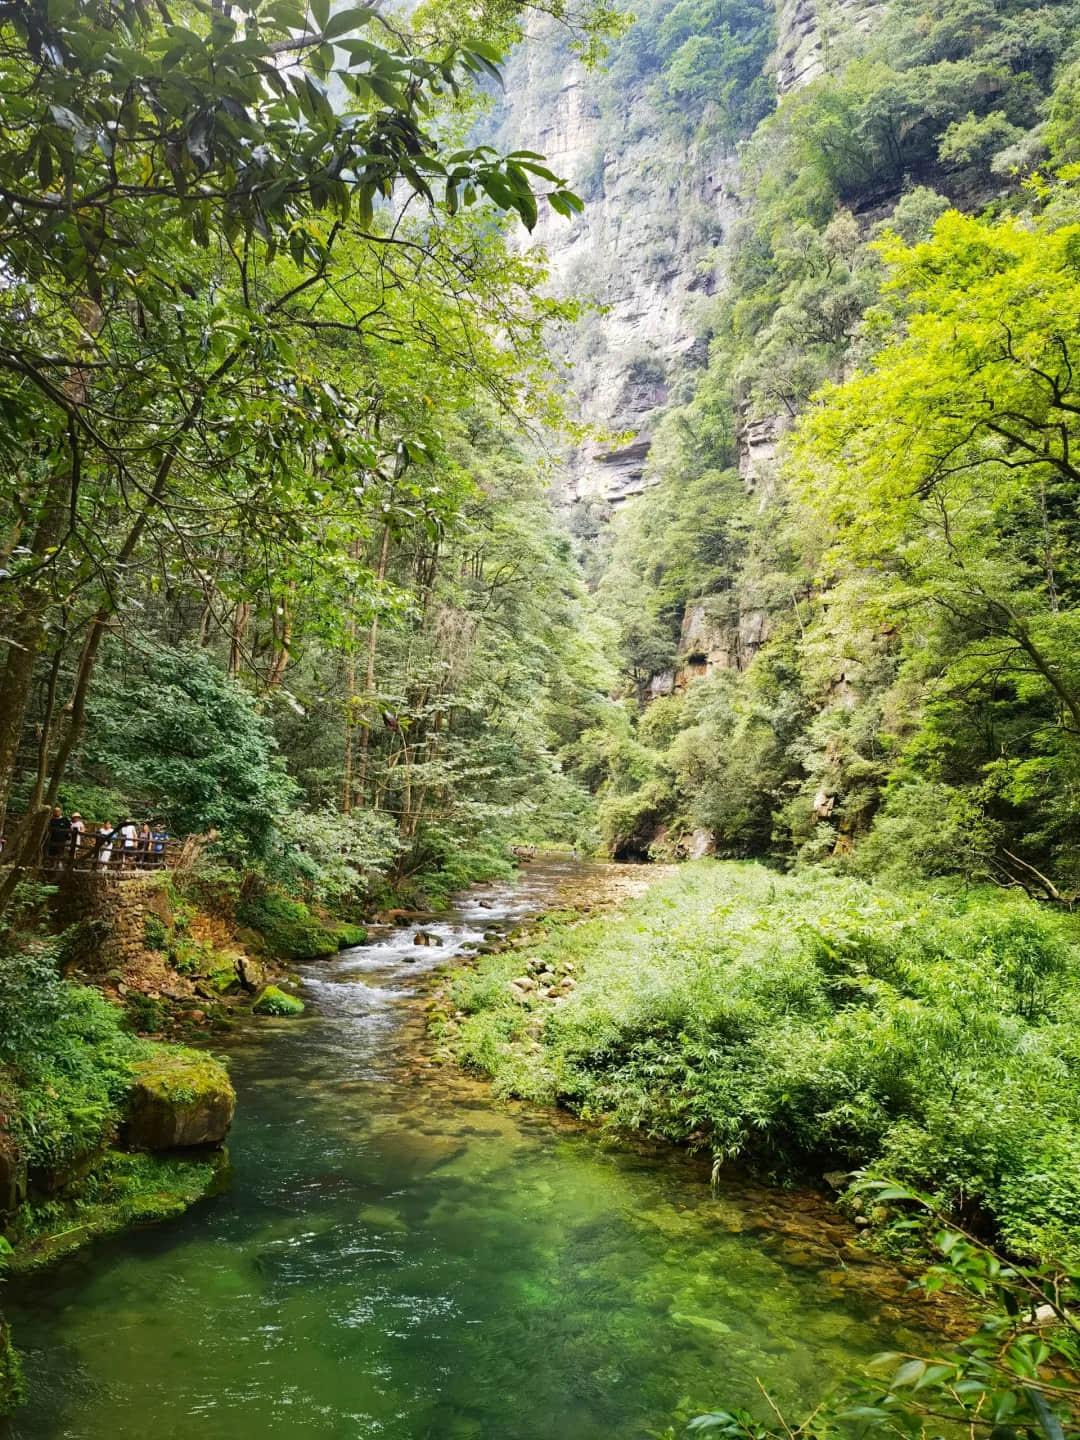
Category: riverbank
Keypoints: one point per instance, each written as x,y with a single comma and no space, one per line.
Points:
397,1254
805,1026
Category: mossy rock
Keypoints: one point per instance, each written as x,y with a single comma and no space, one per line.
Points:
179,1098
11,1377
288,929
224,977
273,1001
349,935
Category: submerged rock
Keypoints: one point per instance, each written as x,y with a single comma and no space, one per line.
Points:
273,1001
179,1098
701,1322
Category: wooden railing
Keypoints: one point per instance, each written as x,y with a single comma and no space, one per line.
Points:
104,856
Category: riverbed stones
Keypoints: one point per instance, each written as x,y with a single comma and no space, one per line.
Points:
180,1098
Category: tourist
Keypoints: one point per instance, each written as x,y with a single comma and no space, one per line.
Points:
58,838
78,827
104,843
142,858
159,837
129,833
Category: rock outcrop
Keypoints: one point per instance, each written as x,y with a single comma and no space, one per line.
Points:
719,632
12,1174
813,34
178,1099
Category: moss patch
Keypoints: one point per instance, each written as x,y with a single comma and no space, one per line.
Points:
349,935
119,1191
273,1001
288,929
11,1377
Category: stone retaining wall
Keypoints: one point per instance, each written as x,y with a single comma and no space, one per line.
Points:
109,912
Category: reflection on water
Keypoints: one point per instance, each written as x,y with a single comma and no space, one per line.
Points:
399,1258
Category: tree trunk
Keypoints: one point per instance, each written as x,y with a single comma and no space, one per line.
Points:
369,677
26,637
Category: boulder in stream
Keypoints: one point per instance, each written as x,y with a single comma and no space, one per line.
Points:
273,1001
179,1098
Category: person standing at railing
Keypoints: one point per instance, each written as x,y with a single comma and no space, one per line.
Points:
58,837
129,833
104,843
142,849
159,838
78,826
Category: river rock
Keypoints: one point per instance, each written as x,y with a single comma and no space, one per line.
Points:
177,1099
251,973
524,982
701,1322
425,937
273,1001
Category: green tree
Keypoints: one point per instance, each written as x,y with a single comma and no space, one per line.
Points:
946,475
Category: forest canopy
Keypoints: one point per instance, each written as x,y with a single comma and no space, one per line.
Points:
261,317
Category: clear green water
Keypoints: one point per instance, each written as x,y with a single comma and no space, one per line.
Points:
399,1258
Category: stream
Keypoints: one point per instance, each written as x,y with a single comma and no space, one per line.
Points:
398,1256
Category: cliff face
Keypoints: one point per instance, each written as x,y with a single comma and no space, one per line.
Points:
648,250
652,245
808,31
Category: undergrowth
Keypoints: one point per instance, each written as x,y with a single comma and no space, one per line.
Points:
65,1061
808,1023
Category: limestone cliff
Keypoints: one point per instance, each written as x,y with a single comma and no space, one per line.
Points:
648,250
653,243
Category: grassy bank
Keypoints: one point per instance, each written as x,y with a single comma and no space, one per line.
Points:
804,1024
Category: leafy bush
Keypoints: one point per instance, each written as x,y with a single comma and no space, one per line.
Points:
144,1014
332,858
803,1024
1015,1375
67,1056
187,744
155,933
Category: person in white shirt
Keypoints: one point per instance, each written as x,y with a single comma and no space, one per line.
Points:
105,836
129,833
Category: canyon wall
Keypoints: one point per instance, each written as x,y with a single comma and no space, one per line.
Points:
652,246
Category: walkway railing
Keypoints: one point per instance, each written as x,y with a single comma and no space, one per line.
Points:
110,856
103,854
